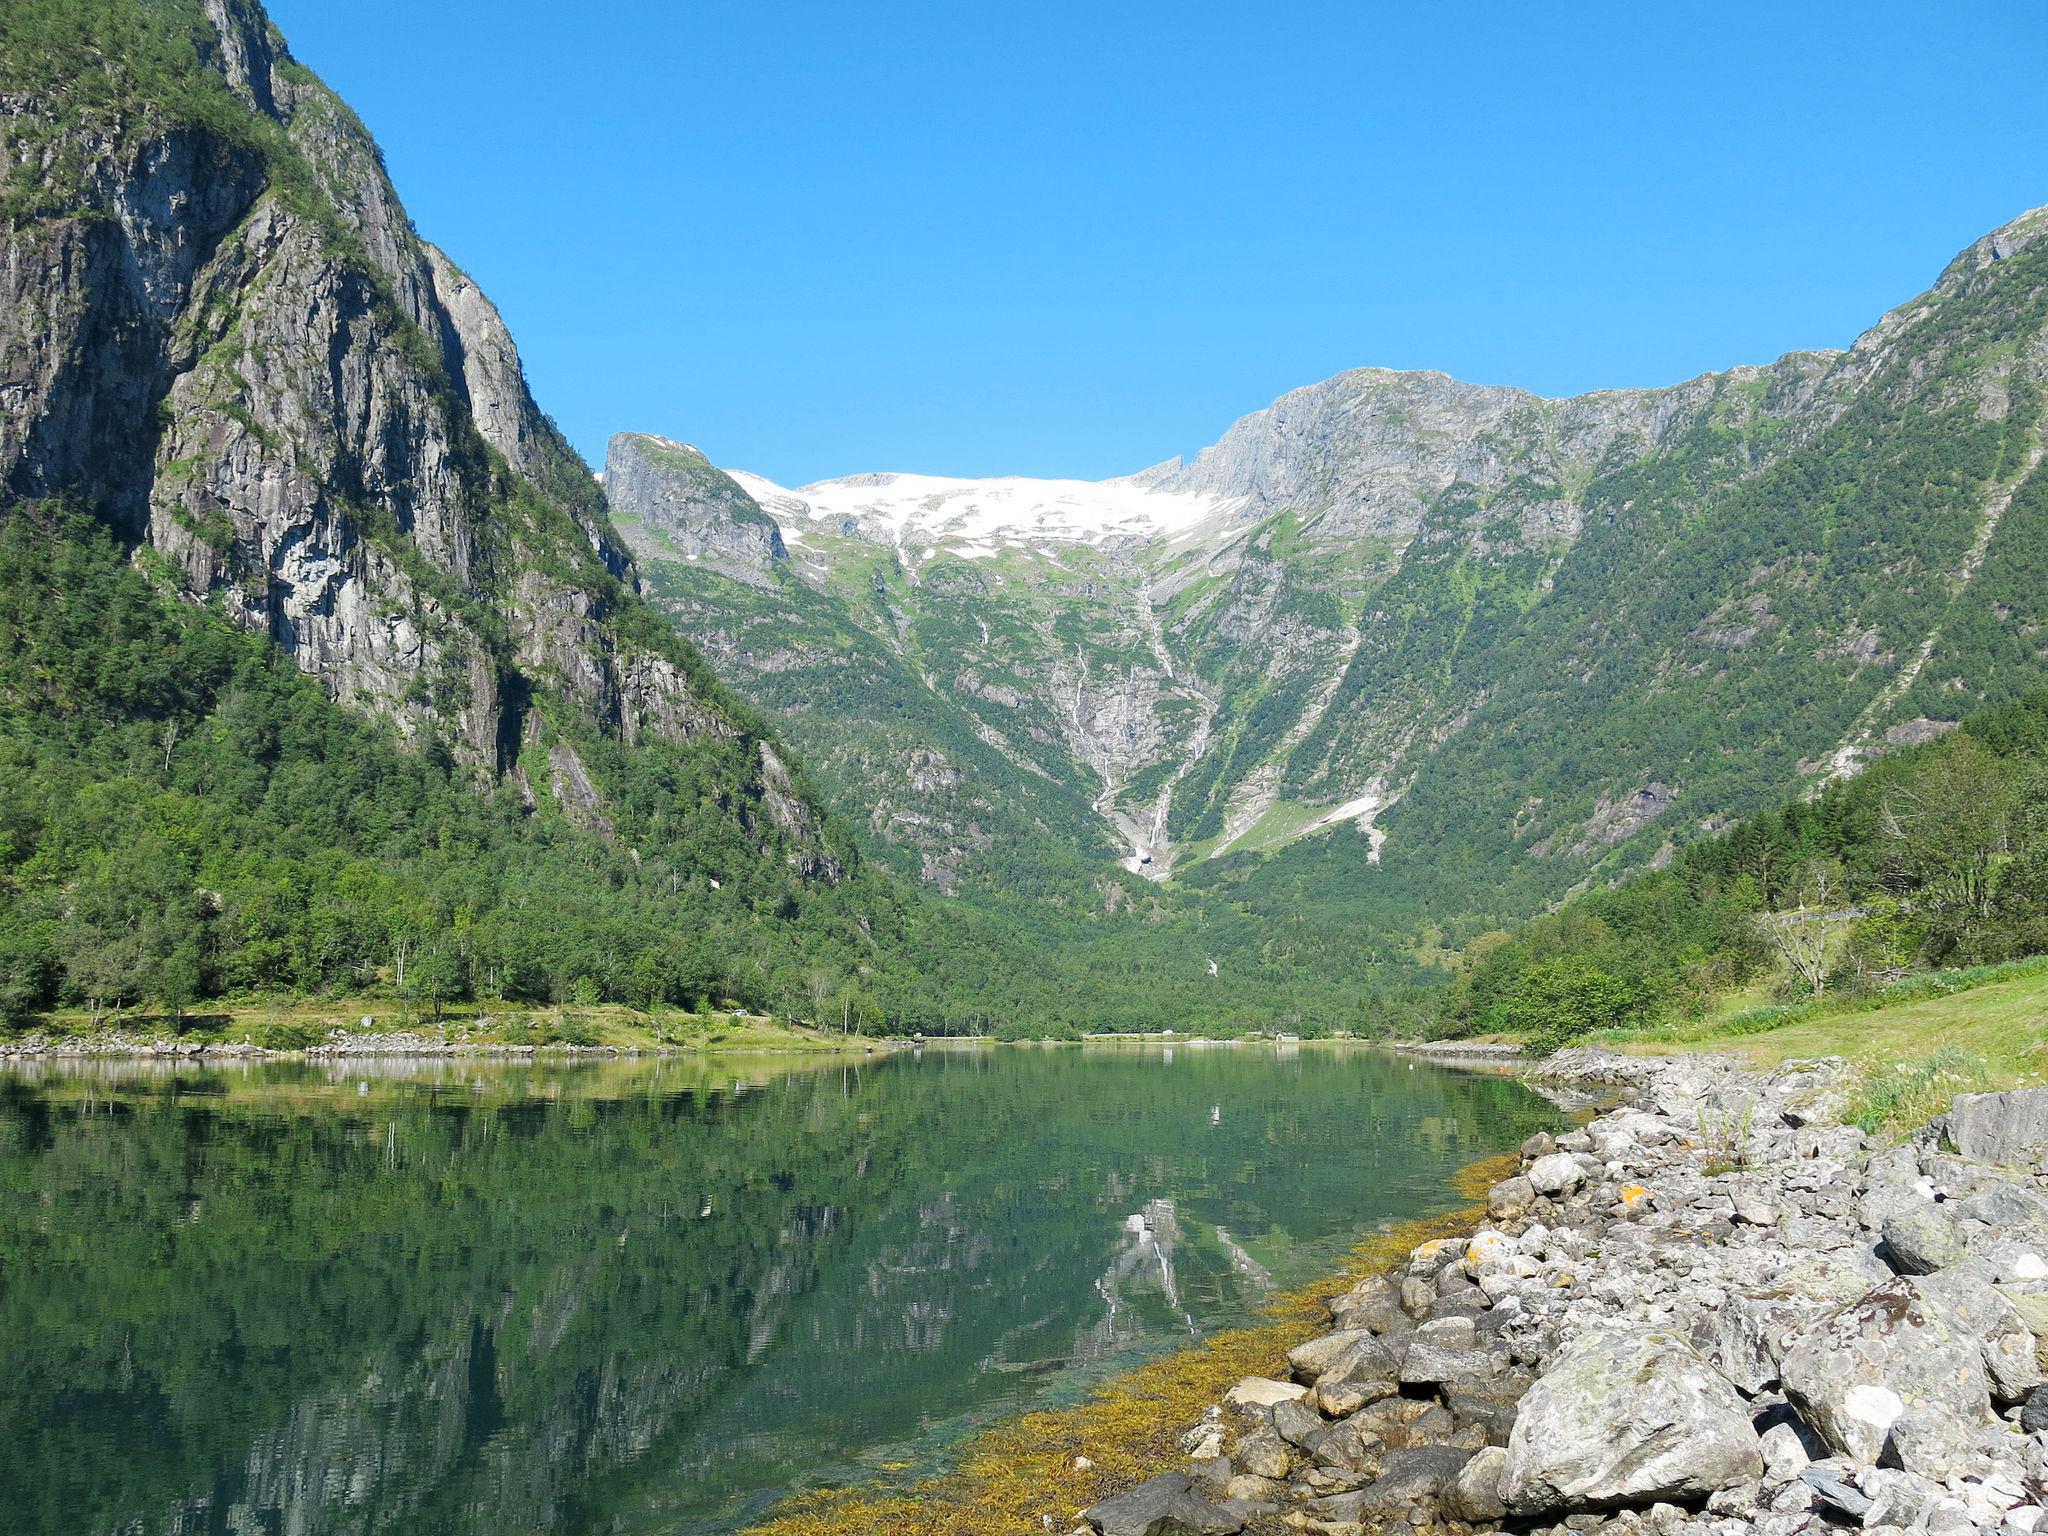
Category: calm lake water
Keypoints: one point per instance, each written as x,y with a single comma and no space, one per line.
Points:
644,1297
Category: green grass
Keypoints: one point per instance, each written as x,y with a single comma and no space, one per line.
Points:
294,1026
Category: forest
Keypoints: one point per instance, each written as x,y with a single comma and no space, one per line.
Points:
185,819
1934,858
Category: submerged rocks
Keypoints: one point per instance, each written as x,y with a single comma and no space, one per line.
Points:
1627,1418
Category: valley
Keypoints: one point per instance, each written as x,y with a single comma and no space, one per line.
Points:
1446,650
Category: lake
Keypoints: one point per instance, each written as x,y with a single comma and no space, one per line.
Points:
645,1296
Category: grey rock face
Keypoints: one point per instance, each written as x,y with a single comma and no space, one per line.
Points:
671,503
1627,1419
321,424
2007,1127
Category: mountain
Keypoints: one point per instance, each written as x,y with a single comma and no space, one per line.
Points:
252,417
1416,650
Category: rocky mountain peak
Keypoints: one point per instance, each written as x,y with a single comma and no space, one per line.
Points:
219,331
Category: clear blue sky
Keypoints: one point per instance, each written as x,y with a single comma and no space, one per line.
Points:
974,237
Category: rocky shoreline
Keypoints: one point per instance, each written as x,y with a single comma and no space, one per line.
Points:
1714,1310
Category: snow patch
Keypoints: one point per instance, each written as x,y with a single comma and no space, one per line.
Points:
981,514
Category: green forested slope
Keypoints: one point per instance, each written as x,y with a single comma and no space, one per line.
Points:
1936,857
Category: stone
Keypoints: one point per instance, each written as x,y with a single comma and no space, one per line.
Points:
1263,1392
1310,1360
1489,1404
1375,1303
1510,1198
1364,1372
1411,1480
1830,1482
1854,1373
1262,1453
1627,1418
1167,1505
1785,1455
1919,1239
2008,1128
1246,1489
2034,1412
1475,1493
1296,1422
1984,1312
1444,1349
1557,1174
1752,1210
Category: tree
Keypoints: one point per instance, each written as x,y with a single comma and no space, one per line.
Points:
437,976
1805,937
179,981
1943,825
1557,1001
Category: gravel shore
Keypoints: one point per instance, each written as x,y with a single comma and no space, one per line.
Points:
1714,1310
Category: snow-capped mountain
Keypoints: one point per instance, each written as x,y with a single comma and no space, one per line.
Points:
976,518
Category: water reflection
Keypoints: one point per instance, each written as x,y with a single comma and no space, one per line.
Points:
639,1296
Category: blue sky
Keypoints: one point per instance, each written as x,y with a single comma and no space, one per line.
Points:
1047,238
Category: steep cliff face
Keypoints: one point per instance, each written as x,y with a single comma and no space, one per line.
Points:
672,503
1509,640
219,331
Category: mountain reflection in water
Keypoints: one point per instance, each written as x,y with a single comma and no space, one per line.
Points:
642,1297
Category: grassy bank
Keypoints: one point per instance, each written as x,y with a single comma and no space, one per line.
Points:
1914,1047
286,1025
1014,1475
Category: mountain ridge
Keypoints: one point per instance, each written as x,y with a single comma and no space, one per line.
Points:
1227,689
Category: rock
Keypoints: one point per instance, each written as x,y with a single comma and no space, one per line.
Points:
1167,1505
2034,1412
1263,1392
1984,1312
1409,1480
2008,1128
1375,1303
1488,1404
1475,1493
1510,1198
1246,1489
1262,1453
1919,1239
1627,1418
1443,1349
1785,1455
1363,1373
1297,1423
1830,1482
1752,1210
1855,1373
1348,1446
1557,1174
1318,1355
1205,1441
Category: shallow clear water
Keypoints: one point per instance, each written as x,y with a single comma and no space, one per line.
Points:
644,1297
